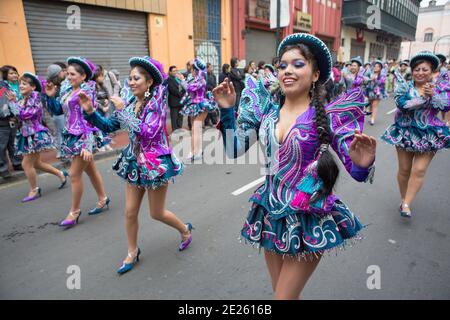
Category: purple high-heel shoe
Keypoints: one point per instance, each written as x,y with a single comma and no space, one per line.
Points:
37,195
70,223
184,244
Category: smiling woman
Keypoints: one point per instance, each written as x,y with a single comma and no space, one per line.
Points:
295,216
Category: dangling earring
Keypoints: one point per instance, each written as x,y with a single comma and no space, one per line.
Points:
147,93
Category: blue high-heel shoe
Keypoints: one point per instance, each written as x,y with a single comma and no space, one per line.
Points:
98,210
66,174
184,244
128,266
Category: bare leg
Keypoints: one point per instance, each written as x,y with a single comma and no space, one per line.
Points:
158,211
274,263
375,104
76,178
419,169
405,161
133,199
28,166
197,130
45,167
293,277
96,180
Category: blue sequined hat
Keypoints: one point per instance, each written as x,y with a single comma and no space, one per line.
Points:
379,62
271,67
88,66
35,80
357,60
428,56
317,47
406,63
199,64
152,66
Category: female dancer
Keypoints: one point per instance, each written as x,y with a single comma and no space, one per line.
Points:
375,89
355,78
148,162
417,132
294,216
80,139
196,105
33,137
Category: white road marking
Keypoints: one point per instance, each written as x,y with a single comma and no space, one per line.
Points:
392,111
248,186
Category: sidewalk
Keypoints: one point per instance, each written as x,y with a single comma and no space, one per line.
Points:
119,141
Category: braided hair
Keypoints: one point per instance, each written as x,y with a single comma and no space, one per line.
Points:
327,168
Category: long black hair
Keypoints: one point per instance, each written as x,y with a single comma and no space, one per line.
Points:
327,168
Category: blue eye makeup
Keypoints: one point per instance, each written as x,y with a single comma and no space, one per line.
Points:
299,63
296,63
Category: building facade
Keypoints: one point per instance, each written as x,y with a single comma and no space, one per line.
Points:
35,33
375,29
254,40
433,31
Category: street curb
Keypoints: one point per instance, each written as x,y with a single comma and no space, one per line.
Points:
20,175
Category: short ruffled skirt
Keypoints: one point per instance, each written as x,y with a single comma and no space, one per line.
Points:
194,109
301,235
158,173
413,139
72,145
37,142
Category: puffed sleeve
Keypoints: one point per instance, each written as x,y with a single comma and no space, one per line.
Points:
254,102
154,121
345,115
441,95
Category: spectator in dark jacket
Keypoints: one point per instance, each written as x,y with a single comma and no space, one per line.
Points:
237,78
225,72
175,95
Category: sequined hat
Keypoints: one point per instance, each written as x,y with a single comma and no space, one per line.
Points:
88,66
428,56
154,67
318,49
37,83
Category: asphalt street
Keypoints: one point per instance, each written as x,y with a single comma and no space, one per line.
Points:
413,256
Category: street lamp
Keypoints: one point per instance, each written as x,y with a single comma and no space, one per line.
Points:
440,38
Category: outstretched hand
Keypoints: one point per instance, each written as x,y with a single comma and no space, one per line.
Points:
363,149
85,102
224,94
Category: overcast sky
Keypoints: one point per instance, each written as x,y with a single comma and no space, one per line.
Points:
425,2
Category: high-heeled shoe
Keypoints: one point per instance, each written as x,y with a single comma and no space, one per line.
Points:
98,210
31,198
66,174
197,157
405,214
66,223
128,266
185,243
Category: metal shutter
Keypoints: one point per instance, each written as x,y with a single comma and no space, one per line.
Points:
107,36
260,46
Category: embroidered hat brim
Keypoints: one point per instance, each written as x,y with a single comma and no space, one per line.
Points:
427,56
35,80
317,47
86,67
149,67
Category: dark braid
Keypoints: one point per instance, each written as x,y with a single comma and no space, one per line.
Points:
327,169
